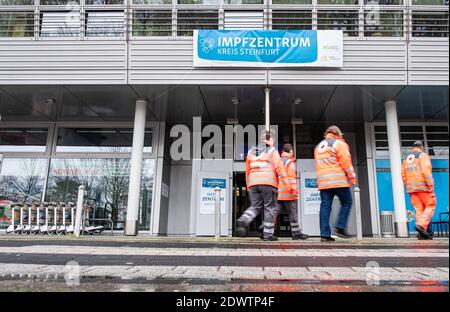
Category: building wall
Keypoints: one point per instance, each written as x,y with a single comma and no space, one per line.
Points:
168,61
179,199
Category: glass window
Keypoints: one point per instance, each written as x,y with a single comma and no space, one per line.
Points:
437,140
16,2
152,23
383,2
430,24
188,20
339,20
106,182
105,24
23,140
291,19
243,1
16,24
198,1
430,2
103,2
383,23
244,20
291,1
99,140
60,24
338,2
59,2
152,1
22,179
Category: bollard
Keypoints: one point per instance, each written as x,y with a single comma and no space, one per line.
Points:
358,214
13,221
79,211
217,214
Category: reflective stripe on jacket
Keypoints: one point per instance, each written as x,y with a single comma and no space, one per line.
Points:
333,163
264,167
285,190
416,172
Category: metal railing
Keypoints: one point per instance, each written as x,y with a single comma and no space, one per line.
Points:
166,18
292,19
347,21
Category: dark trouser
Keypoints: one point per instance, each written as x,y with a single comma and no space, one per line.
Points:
326,197
262,196
291,208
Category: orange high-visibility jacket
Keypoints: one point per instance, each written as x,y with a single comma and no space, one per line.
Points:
416,172
334,163
264,167
288,191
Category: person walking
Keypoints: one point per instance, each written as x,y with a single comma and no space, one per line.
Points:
335,175
418,180
264,170
288,192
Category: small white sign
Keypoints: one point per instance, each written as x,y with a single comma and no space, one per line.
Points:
310,194
208,195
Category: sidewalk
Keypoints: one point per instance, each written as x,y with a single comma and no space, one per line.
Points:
233,264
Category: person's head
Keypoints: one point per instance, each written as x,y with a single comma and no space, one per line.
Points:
287,148
418,144
267,137
333,130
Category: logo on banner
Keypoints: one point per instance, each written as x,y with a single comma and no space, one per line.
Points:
207,44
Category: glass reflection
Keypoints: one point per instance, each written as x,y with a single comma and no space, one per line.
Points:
22,179
96,140
106,182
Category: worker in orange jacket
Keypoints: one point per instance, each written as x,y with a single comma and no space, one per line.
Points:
288,192
419,183
264,170
335,175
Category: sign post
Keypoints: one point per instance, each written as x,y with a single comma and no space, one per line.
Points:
79,211
217,214
358,213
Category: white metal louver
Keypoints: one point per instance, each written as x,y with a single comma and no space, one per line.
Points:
244,20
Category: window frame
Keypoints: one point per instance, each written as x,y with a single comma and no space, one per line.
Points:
111,125
423,125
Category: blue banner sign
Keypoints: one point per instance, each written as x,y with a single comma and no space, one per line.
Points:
268,48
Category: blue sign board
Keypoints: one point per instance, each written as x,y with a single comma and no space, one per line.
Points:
262,48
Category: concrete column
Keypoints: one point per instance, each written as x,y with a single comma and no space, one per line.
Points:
395,158
131,225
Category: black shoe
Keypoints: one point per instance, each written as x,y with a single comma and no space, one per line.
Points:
241,229
271,239
422,232
341,233
300,236
420,237
327,239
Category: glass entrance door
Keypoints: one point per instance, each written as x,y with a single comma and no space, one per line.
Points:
241,202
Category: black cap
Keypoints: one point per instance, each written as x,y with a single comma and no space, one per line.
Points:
418,144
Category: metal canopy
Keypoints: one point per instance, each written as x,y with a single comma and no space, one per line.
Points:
345,105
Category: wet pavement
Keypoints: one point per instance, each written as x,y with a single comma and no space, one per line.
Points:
202,264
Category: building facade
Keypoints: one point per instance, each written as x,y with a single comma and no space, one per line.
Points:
72,75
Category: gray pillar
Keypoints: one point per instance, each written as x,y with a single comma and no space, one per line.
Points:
131,225
395,158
